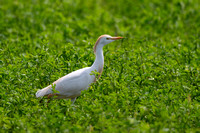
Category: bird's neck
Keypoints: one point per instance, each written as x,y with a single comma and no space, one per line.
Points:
99,60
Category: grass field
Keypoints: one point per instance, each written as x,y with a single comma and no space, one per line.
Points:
150,82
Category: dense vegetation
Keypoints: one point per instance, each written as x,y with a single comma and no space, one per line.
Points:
150,82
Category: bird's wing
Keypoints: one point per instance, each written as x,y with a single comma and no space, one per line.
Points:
72,76
74,82
71,84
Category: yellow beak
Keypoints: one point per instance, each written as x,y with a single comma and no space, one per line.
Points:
115,38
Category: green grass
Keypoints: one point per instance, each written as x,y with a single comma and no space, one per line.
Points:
150,82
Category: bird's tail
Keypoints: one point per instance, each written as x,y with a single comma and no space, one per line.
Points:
45,91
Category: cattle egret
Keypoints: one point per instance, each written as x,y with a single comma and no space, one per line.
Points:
71,85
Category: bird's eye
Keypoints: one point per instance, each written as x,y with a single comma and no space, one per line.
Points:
107,38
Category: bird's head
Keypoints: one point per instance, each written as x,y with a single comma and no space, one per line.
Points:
105,39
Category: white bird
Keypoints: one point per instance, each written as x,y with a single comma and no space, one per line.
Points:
71,85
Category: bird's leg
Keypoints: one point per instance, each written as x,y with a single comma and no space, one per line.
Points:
41,100
49,97
73,100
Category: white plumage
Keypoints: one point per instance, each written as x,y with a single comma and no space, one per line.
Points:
71,85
